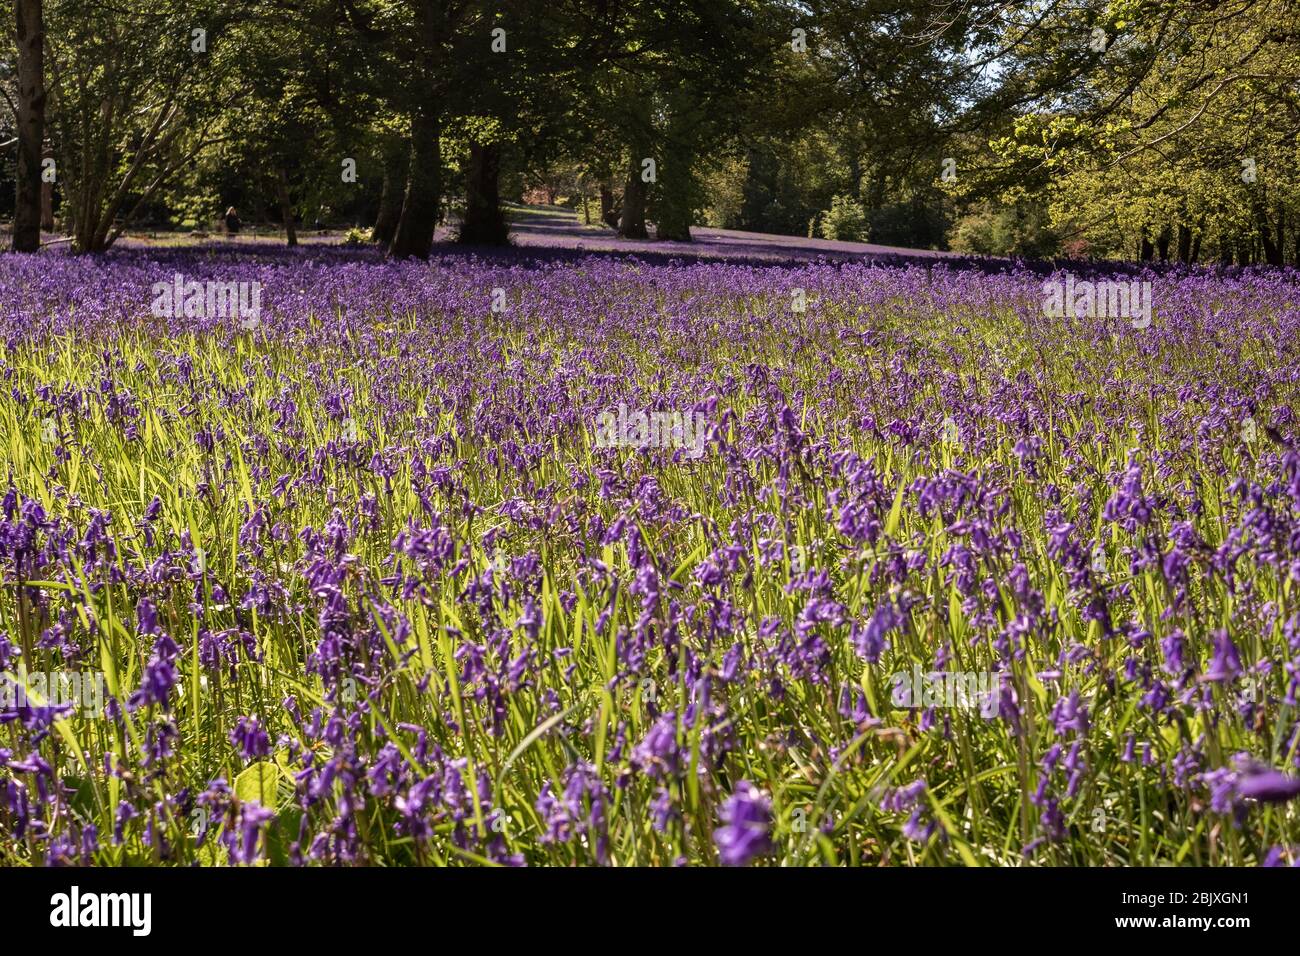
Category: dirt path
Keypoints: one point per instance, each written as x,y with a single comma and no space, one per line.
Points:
557,227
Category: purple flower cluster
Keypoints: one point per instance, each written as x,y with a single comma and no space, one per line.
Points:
364,588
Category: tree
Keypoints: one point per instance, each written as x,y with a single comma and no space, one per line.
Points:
1182,136
393,153
670,79
30,37
438,25
136,91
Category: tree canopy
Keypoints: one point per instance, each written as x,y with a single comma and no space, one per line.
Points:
1132,128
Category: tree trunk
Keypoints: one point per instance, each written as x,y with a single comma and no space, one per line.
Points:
609,212
631,224
1162,243
1272,249
47,200
286,208
484,223
1184,243
640,134
673,199
390,197
672,222
1146,250
419,219
87,229
31,124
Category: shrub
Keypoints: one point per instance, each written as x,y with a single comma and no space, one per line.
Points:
846,220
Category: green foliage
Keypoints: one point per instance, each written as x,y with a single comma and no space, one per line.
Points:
258,782
955,348
1116,129
193,202
1016,229
846,220
1139,138
724,185
132,102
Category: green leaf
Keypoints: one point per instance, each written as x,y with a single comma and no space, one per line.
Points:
259,782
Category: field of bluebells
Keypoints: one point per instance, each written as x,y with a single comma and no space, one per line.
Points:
363,588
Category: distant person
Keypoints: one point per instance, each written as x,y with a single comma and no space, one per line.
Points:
232,221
